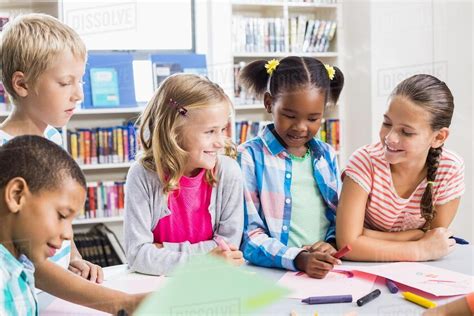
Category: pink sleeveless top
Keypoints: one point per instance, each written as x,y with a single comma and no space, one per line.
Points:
190,219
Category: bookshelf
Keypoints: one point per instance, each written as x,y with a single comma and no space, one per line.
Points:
287,23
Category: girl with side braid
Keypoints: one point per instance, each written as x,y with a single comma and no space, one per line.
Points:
400,195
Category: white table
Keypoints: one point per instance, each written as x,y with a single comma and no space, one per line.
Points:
461,260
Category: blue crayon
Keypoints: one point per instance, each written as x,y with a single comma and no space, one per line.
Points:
392,287
460,240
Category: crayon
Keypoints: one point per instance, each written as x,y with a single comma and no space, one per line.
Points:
369,297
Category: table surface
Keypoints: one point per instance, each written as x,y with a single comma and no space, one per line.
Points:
460,260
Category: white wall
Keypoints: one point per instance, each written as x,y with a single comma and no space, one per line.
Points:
387,41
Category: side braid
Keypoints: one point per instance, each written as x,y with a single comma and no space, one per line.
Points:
427,208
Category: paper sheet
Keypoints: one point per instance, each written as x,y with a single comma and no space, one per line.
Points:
336,282
429,279
130,283
210,286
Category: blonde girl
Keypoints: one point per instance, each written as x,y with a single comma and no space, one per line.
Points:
183,192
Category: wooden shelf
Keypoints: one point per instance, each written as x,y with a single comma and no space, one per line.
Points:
105,166
86,221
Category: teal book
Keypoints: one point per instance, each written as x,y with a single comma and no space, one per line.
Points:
105,87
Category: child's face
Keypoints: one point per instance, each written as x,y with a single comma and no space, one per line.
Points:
297,117
406,133
57,90
44,220
204,135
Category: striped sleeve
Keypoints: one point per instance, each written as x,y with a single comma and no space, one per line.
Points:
359,168
452,184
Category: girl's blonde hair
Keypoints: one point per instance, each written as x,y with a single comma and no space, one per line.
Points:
163,119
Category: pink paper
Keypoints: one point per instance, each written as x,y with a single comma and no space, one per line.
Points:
429,279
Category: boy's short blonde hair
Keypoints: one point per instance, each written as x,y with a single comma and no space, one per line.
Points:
30,43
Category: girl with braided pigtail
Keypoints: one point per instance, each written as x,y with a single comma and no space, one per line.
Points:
400,195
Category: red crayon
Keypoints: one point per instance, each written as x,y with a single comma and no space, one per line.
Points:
342,252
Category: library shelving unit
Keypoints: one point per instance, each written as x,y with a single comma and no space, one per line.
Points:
268,29
100,172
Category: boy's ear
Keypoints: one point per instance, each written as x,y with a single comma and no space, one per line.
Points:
268,102
440,137
15,194
19,84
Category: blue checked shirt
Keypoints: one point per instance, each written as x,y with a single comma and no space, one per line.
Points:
17,296
267,172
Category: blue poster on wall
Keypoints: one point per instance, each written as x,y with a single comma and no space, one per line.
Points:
118,90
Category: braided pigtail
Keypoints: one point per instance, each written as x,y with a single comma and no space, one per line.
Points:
427,208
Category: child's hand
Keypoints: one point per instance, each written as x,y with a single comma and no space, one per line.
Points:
321,246
315,264
87,270
234,255
436,244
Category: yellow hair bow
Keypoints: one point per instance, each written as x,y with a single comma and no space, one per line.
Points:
271,66
331,71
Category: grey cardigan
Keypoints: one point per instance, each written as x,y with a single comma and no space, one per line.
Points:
145,205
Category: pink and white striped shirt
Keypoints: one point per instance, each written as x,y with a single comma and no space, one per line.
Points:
385,209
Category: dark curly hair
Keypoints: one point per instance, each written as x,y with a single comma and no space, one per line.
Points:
292,73
39,161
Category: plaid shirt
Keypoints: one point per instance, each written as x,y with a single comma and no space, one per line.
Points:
267,172
17,293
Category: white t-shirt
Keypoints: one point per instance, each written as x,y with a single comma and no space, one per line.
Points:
63,255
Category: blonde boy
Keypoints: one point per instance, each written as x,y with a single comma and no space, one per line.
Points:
42,63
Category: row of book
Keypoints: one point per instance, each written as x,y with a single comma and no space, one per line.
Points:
310,35
328,132
246,130
104,199
257,34
103,145
241,97
251,34
100,246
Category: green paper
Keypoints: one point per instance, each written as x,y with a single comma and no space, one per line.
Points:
210,286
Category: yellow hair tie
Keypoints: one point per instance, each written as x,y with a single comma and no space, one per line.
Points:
331,71
430,182
271,66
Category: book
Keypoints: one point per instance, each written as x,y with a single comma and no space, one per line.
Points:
104,86
163,70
